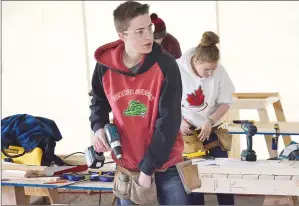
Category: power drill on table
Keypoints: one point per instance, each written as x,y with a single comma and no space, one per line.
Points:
250,130
96,159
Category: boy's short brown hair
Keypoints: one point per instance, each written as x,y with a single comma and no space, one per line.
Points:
127,11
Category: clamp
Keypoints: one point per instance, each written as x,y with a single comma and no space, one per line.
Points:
102,176
275,138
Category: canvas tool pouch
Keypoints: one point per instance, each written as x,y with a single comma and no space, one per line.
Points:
192,144
189,175
126,187
224,138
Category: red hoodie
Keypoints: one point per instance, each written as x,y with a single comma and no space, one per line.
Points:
172,46
146,106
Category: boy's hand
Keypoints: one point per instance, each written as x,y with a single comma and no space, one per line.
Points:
185,127
144,180
99,141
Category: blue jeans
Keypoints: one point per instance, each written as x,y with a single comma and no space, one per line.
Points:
223,199
170,190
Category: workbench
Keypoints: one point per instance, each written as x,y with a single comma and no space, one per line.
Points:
263,177
17,192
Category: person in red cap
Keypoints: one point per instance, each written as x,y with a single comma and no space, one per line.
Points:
168,42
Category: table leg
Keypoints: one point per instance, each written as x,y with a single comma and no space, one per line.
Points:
14,196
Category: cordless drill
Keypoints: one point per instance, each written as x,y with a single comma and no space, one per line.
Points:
96,159
250,130
113,139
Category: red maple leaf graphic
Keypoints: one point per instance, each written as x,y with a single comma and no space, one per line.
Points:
196,98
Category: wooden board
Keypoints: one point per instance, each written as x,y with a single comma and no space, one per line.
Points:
17,174
253,95
267,177
242,185
253,103
236,166
286,128
38,170
33,179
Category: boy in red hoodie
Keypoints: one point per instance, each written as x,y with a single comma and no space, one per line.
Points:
141,84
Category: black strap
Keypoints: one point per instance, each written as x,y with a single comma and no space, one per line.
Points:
15,156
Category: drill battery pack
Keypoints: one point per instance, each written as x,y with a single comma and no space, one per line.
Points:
94,159
18,155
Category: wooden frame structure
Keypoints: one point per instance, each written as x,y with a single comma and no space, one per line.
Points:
259,102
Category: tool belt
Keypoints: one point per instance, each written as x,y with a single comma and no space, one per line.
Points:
126,187
189,176
192,144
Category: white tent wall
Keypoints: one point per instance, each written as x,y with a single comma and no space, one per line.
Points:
44,67
48,50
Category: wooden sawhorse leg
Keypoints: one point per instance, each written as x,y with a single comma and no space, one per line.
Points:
52,194
14,196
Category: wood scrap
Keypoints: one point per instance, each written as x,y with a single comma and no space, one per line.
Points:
18,174
32,179
39,170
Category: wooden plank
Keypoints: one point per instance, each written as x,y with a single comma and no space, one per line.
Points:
295,164
53,196
13,196
250,177
253,103
13,166
255,95
235,151
264,118
236,166
234,176
291,128
283,177
17,174
247,186
35,191
39,170
33,179
266,177
280,117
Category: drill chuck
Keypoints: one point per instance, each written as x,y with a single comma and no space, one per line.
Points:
113,139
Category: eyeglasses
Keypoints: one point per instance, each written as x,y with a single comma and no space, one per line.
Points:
141,32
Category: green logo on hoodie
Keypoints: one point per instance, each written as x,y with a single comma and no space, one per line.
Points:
135,108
